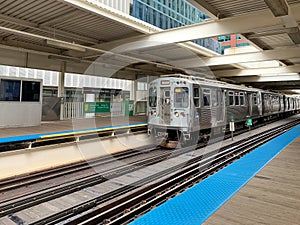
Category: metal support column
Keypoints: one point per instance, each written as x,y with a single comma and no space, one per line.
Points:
133,93
61,88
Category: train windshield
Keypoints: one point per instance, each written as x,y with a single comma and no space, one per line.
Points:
181,97
152,97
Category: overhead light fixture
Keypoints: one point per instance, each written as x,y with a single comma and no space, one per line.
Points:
65,45
278,7
64,58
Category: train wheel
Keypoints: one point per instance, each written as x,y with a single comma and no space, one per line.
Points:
192,141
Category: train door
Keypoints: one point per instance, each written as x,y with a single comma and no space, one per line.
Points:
280,103
165,105
259,103
250,103
220,94
195,111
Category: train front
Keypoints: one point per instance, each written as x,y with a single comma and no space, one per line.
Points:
168,110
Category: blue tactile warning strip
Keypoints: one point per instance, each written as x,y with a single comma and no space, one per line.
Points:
32,137
195,205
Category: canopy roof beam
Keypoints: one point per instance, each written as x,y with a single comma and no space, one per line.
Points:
260,71
276,54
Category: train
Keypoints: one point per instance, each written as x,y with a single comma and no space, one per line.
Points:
187,109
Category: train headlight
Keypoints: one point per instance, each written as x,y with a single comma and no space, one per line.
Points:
152,113
176,114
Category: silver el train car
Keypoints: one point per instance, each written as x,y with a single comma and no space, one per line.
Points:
187,109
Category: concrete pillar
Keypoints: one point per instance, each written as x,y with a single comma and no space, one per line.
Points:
61,88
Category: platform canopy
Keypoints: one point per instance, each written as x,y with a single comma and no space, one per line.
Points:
92,38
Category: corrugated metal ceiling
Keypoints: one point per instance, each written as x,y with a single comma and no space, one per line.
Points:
40,13
229,8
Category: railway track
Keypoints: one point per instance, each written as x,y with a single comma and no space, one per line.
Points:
126,209
26,200
139,188
27,179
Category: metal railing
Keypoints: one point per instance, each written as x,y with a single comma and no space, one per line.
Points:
73,110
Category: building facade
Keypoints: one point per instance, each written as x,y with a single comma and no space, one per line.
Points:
167,14
231,41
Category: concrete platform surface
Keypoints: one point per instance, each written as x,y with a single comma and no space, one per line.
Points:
272,197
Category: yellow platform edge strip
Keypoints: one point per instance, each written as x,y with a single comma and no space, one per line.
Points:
90,131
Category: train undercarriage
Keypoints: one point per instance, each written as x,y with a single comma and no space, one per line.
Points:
177,137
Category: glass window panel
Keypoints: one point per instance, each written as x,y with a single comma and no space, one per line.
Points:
206,97
254,99
10,90
181,97
242,98
31,91
152,97
237,100
231,98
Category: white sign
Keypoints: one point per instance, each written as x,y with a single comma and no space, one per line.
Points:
231,126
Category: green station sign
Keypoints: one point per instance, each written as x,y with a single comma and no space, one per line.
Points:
96,107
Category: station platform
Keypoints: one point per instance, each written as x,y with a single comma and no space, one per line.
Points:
260,188
56,127
25,161
272,197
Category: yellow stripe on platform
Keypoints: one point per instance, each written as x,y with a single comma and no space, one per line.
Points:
90,131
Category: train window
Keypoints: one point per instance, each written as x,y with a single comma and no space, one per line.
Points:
206,97
196,92
214,98
152,97
237,99
167,94
231,97
219,97
181,97
242,98
254,99
196,96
